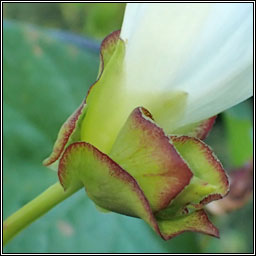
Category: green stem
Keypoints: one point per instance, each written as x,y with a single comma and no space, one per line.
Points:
35,209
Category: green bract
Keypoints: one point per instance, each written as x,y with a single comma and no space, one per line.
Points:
127,153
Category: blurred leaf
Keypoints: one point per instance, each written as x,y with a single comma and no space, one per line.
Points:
231,139
236,233
46,14
91,19
238,124
44,81
103,18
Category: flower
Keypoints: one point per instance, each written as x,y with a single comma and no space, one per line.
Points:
135,143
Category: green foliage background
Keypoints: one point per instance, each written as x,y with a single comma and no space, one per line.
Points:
95,20
45,79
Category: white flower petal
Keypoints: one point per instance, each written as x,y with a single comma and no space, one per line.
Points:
202,49
183,62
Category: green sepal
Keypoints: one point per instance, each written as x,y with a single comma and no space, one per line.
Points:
196,221
101,124
106,183
112,188
208,183
69,132
143,150
107,49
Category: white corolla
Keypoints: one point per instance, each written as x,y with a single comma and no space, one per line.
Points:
183,62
